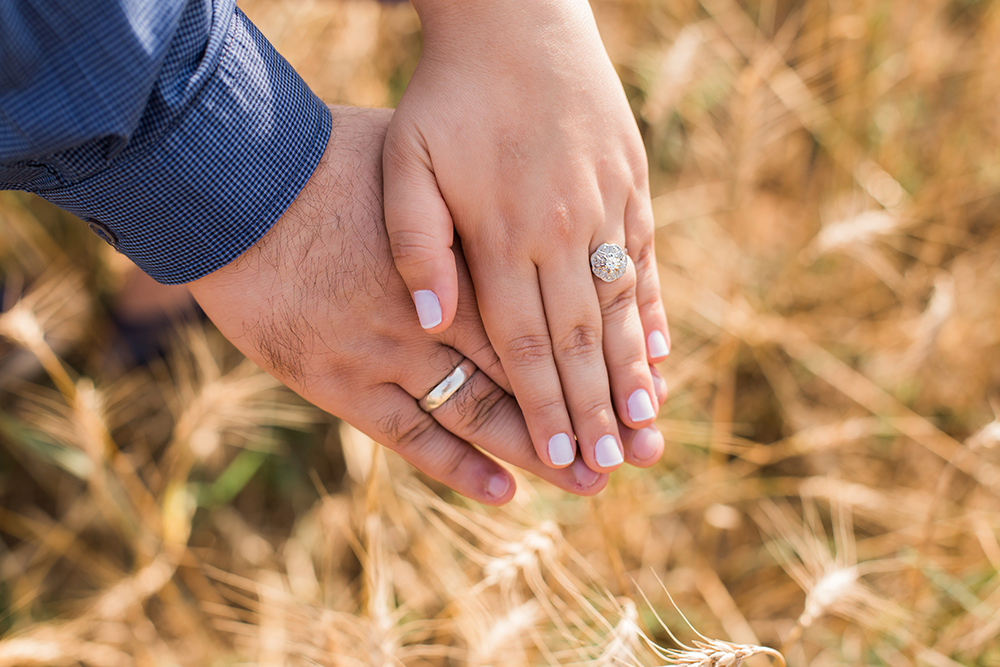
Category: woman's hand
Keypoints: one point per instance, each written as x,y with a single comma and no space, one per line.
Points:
318,303
515,132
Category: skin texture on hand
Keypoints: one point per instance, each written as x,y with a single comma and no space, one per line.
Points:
515,133
318,304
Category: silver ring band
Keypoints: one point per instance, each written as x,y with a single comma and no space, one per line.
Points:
609,262
445,389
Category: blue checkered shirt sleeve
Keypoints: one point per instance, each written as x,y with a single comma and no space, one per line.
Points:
172,126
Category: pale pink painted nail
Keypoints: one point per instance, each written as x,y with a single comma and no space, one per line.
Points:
658,345
640,406
561,449
607,453
428,308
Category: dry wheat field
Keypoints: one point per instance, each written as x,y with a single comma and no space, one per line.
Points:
825,183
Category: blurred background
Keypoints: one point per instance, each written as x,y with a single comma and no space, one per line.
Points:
825,183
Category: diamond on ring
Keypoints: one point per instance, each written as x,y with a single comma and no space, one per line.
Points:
609,262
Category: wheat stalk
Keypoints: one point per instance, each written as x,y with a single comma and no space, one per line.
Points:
703,651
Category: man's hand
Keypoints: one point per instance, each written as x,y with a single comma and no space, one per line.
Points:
318,303
515,132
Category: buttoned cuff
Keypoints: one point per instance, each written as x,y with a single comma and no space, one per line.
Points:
220,177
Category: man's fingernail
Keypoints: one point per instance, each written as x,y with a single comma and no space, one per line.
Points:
640,406
646,443
583,475
428,308
498,485
561,450
607,453
659,384
658,345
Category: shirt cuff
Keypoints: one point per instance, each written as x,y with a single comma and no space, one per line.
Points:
217,180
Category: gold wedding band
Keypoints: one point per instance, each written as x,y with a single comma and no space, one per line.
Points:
445,389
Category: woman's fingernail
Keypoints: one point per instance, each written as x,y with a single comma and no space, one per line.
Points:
561,450
607,452
646,443
658,344
584,476
498,485
428,308
640,406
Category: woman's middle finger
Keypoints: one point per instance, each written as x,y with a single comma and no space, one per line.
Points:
574,321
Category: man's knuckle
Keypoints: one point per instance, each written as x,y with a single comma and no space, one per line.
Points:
479,409
451,464
489,362
408,432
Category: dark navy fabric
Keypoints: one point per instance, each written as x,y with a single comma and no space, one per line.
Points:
173,124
